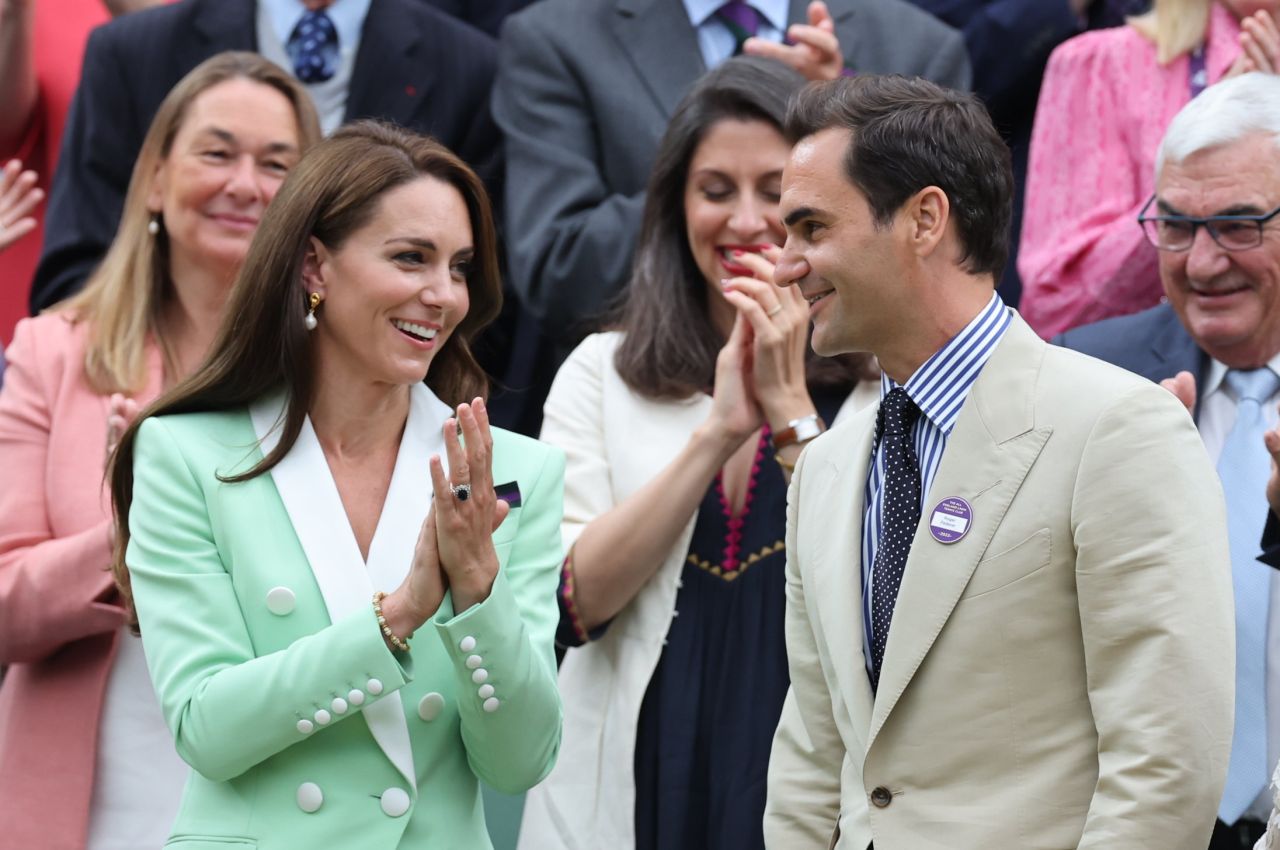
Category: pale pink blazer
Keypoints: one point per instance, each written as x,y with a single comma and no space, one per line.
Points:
1104,106
59,615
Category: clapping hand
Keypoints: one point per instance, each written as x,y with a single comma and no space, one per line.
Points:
1183,386
814,50
467,511
1259,45
779,321
18,198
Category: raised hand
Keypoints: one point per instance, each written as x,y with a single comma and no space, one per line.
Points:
467,511
18,198
814,50
1183,386
779,319
1272,441
121,411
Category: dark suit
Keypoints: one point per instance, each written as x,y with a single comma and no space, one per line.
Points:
486,15
1155,345
415,66
584,92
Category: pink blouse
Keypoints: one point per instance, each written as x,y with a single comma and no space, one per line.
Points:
1104,106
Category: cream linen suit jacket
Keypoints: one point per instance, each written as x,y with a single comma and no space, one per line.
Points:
1059,678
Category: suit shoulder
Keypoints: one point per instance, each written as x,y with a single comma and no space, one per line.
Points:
1098,49
1082,382
526,453
1121,339
142,27
547,19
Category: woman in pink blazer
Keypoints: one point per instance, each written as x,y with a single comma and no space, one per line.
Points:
1107,97
85,758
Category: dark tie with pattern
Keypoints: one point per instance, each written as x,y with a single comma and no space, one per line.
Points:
900,512
742,20
313,48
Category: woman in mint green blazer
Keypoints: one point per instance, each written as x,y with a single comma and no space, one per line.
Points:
267,504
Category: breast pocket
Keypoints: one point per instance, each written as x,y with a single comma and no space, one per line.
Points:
1013,564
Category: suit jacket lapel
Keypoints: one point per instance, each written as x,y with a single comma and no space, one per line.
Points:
311,499
1176,351
839,504
392,71
988,455
226,25
662,45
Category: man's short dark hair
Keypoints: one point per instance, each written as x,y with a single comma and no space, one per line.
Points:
909,133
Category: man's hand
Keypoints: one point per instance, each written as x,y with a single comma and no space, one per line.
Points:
1272,441
1183,385
814,50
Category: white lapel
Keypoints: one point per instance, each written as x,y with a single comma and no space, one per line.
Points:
409,497
311,499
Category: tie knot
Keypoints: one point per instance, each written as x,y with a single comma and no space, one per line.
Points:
740,17
898,413
1254,384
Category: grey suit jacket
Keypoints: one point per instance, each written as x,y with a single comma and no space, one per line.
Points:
584,91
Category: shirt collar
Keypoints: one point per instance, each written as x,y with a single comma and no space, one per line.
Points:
347,16
773,11
940,386
1214,381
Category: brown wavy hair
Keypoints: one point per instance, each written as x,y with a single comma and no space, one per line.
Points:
263,346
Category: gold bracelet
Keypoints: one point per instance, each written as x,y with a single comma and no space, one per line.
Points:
401,644
788,465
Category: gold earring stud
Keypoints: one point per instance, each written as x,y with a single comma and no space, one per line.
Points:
313,301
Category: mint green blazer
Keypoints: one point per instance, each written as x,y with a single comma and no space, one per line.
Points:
304,730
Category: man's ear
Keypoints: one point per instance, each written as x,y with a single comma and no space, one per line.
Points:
315,265
928,212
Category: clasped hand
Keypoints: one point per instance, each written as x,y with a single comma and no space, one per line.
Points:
760,371
455,549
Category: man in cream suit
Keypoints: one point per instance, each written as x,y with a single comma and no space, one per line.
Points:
1008,587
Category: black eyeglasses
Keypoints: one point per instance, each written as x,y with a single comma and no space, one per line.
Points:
1178,232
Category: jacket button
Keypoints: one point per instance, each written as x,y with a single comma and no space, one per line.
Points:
881,797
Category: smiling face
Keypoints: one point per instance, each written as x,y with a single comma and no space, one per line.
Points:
396,288
236,143
1229,301
851,271
731,195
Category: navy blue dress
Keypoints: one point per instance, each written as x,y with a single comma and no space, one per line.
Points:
708,717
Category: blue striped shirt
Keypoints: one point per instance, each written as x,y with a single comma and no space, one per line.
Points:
939,389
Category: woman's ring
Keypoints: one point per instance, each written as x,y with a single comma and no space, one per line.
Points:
775,311
461,492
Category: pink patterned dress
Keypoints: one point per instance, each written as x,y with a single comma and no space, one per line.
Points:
1104,107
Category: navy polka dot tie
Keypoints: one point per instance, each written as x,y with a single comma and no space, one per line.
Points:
313,48
900,515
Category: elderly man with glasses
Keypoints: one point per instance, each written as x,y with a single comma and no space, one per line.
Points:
1215,342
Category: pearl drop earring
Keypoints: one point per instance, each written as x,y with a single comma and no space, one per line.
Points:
313,301
153,226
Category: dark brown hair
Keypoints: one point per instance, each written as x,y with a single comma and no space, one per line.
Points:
669,345
262,344
908,134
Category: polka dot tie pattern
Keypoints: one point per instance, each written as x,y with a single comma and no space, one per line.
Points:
313,48
901,515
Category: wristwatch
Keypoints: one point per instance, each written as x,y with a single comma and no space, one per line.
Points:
800,430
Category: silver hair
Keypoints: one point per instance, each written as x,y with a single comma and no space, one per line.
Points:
1223,113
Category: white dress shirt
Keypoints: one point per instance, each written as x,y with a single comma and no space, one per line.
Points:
1217,416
